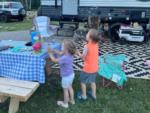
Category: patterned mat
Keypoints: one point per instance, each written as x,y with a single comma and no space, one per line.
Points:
136,53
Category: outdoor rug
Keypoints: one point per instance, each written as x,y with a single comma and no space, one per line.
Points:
137,54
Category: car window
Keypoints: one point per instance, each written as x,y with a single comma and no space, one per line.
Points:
16,5
0,6
6,6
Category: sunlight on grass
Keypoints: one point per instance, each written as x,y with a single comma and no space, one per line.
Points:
16,26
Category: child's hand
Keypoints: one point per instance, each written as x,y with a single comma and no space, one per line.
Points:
78,53
85,43
50,50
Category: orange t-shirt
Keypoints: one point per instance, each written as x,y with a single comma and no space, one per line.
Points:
91,58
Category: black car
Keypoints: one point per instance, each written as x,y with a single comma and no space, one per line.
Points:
12,10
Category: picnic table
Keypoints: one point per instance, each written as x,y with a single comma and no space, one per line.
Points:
17,90
22,65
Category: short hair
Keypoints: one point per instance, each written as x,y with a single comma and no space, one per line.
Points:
94,35
70,45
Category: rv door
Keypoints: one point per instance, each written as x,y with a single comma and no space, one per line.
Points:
70,7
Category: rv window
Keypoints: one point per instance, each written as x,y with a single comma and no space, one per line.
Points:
51,2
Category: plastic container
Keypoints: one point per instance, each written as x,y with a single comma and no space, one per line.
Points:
55,46
33,35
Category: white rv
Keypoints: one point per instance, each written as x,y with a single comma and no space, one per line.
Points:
107,10
111,11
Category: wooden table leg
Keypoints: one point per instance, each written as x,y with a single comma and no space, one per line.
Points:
14,105
3,99
103,82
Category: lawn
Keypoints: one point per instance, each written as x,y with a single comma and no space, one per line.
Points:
134,98
15,26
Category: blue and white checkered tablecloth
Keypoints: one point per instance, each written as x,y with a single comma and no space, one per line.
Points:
22,65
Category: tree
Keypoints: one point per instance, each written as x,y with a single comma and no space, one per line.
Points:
30,4
25,3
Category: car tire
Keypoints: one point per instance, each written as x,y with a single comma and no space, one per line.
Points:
122,41
113,32
113,35
146,37
20,19
4,18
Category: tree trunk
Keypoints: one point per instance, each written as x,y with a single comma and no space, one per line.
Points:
27,6
30,4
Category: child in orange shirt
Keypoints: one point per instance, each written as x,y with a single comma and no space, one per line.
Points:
90,57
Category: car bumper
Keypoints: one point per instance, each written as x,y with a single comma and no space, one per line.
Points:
133,38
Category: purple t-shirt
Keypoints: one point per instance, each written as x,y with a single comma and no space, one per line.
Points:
66,65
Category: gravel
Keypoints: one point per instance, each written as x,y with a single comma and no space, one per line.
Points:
15,35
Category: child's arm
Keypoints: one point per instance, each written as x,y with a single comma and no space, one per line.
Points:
83,54
52,56
58,52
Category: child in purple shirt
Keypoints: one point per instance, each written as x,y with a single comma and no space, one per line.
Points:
66,71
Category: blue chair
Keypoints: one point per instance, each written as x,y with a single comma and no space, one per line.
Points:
110,68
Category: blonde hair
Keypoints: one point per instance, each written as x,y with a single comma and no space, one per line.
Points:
70,46
94,35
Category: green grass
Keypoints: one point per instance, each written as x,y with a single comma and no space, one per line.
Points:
134,98
16,26
25,25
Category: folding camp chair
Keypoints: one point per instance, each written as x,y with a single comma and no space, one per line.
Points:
111,70
42,25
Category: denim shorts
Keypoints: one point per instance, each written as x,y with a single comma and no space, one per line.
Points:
67,81
87,78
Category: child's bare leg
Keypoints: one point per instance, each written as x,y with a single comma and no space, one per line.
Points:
83,88
71,93
93,87
66,95
66,99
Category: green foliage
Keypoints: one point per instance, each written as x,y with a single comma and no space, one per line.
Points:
15,26
35,4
